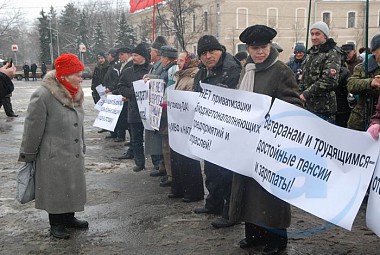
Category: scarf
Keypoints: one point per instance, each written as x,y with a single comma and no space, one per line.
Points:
70,87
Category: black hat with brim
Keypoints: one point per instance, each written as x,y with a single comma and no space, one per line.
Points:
257,35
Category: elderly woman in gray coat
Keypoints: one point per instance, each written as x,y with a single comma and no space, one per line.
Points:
266,217
53,137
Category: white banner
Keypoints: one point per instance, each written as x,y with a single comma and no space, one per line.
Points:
142,97
293,154
98,106
373,205
101,91
225,127
156,97
181,108
109,113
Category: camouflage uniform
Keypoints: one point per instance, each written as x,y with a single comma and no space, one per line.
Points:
360,84
320,77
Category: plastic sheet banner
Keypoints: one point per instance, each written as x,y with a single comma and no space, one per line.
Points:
142,97
373,205
181,109
298,157
109,113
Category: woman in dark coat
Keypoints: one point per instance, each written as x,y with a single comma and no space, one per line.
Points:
187,182
53,137
266,217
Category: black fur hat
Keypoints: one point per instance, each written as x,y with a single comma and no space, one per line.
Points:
159,42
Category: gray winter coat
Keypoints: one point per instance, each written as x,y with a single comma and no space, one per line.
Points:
53,137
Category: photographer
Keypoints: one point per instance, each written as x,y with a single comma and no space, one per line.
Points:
296,63
7,73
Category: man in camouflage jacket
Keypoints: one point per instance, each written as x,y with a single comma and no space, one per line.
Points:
366,85
320,74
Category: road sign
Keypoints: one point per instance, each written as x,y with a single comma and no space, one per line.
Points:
82,47
14,47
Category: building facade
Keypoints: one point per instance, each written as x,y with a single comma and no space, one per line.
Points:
226,19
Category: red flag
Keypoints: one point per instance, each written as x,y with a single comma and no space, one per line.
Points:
142,4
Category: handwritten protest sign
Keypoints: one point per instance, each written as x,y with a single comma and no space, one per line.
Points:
373,205
142,97
181,109
156,97
109,113
292,153
102,93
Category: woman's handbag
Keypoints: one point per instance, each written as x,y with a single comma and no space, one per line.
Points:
25,183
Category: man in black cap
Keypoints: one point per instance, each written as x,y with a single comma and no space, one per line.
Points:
153,140
136,72
222,69
351,59
296,63
266,217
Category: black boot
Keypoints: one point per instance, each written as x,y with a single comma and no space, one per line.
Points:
59,231
72,222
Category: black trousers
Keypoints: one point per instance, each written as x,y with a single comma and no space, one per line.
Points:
6,103
122,122
187,177
275,237
60,219
218,183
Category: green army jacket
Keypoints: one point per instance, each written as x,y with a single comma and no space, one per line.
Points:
320,77
359,84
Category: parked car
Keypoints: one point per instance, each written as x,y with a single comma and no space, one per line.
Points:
20,74
87,73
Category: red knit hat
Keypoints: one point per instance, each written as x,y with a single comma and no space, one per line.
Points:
67,64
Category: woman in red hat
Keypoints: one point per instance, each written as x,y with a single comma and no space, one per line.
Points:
53,137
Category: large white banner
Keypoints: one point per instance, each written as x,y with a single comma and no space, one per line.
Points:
109,113
142,97
373,205
156,98
319,167
181,109
293,154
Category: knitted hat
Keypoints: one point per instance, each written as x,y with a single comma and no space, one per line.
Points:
241,55
208,42
141,50
169,51
375,42
299,48
101,54
159,42
67,64
124,50
322,26
257,35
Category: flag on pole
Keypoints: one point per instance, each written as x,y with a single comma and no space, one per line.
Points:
142,4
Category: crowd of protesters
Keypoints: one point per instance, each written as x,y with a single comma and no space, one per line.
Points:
322,79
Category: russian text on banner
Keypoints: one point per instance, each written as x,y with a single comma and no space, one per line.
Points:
156,98
373,205
226,127
109,113
181,109
142,98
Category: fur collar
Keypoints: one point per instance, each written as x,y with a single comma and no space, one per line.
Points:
60,93
324,48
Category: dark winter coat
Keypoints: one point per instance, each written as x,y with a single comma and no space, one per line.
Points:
6,85
296,66
111,78
226,72
53,137
249,201
359,84
320,77
99,74
131,74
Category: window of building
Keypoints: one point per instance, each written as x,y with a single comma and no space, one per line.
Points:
351,19
326,17
301,20
205,21
193,23
241,17
272,17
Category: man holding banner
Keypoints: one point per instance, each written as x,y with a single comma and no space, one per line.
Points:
217,68
266,217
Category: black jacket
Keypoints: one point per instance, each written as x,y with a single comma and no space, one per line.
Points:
99,74
129,75
111,78
226,72
6,85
